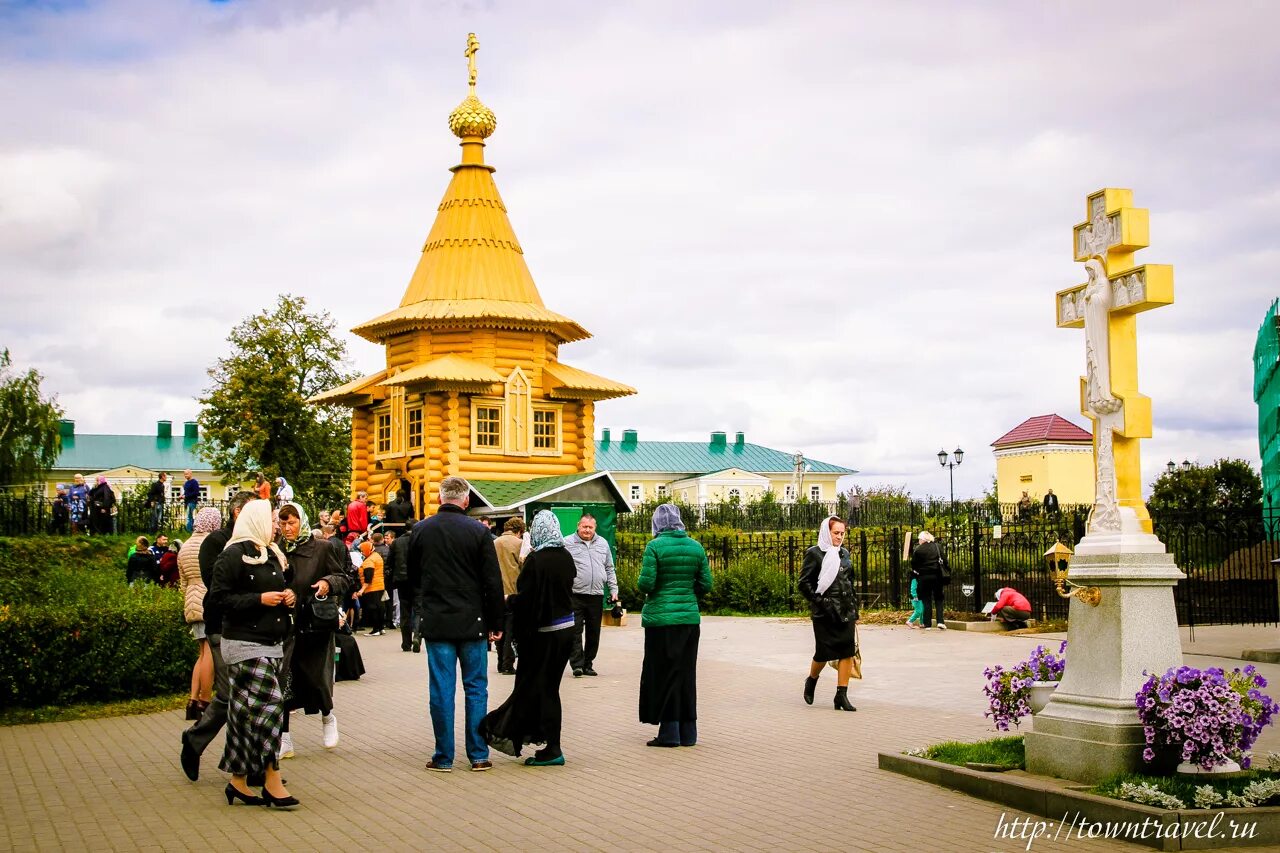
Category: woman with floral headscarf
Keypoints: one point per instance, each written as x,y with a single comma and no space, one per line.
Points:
250,589
308,650
673,573
826,582
542,615
206,521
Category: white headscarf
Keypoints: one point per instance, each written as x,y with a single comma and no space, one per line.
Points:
253,524
830,555
666,517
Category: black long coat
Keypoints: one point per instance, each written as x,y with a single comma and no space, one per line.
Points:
840,601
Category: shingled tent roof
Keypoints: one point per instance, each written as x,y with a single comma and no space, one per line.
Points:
1052,429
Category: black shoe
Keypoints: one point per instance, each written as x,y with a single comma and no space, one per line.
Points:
278,802
589,671
656,742
404,648
577,673
190,760
810,685
233,794
417,647
842,700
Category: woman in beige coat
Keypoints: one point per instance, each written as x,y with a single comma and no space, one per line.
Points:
207,520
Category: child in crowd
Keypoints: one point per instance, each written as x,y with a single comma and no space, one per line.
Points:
917,606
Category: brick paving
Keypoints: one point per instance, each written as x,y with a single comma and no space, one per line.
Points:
769,772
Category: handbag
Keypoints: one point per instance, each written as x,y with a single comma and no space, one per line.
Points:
320,614
944,568
856,670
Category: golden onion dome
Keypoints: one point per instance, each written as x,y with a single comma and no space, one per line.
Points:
472,118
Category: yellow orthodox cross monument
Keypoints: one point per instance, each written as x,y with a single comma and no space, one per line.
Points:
473,384
1090,729
1106,307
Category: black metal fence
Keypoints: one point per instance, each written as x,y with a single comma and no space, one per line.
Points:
769,515
26,515
1230,579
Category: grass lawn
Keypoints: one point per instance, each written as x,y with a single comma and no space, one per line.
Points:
1000,751
1184,787
91,710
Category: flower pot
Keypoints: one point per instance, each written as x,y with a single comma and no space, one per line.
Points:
1040,693
1188,768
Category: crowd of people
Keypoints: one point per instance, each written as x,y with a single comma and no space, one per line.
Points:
269,599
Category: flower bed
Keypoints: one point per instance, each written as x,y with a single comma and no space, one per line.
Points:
1246,790
1204,716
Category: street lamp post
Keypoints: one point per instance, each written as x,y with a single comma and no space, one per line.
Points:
951,471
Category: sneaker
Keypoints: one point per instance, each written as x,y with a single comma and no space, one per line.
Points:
376,633
439,768
330,731
941,627
481,766
286,746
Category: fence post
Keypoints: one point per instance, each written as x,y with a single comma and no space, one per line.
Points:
791,569
862,558
977,566
895,568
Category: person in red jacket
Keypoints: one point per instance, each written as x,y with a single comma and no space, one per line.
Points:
358,514
1012,607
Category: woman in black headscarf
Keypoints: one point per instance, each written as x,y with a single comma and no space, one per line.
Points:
542,614
308,654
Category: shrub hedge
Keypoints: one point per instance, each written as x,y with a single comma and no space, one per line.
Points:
72,630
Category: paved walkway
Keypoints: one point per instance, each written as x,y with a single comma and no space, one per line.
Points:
769,773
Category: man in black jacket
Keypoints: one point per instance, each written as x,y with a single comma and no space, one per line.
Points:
460,608
396,575
156,497
197,738
398,514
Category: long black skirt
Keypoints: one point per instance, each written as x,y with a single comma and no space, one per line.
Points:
532,713
832,639
307,672
350,662
669,675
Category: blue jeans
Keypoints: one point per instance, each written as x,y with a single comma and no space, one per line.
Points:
443,659
191,515
157,515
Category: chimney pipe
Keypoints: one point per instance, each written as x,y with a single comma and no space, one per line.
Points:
164,429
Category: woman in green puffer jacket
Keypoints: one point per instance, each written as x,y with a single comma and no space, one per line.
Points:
673,573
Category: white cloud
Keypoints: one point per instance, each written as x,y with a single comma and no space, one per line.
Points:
837,227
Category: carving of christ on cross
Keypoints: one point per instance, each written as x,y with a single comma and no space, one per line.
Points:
1106,307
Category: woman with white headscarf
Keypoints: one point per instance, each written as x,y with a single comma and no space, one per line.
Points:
826,582
284,492
307,668
542,616
250,588
673,573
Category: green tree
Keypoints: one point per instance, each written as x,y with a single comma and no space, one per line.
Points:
1226,485
30,439
255,413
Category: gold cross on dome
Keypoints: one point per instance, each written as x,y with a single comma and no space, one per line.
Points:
473,45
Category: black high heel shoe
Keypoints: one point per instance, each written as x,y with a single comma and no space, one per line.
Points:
234,794
278,802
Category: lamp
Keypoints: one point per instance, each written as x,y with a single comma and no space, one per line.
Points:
1171,467
1059,560
951,470
1186,465
942,457
959,454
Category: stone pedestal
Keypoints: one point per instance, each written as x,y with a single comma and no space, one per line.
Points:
1090,729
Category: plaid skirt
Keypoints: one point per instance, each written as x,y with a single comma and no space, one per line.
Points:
255,715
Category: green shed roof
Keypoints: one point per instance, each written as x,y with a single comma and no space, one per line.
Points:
700,457
88,452
503,495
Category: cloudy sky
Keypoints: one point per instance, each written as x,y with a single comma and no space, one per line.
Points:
835,226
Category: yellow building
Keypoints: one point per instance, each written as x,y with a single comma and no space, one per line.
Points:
473,384
1042,453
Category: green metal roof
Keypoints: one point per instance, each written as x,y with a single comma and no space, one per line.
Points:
88,453
700,457
509,494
